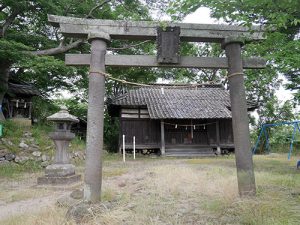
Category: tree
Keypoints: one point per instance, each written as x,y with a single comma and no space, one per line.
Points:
33,50
281,48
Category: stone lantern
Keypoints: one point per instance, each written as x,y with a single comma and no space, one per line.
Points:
61,171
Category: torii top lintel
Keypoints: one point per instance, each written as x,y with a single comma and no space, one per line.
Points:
147,30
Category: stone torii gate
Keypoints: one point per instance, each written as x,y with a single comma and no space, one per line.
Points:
100,32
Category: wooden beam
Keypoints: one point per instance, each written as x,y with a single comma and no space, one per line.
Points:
146,30
162,133
150,61
218,136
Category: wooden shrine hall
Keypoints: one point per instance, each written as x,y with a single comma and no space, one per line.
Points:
176,120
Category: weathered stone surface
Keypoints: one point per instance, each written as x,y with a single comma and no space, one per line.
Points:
27,134
77,194
150,61
21,159
45,158
63,115
45,164
78,155
7,142
10,157
23,145
122,184
141,30
3,152
60,170
58,180
37,153
80,212
66,201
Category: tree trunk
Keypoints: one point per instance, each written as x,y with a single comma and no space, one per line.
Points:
4,75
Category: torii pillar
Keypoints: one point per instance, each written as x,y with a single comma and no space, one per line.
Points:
240,120
95,118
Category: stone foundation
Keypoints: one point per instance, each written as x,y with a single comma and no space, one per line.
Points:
58,180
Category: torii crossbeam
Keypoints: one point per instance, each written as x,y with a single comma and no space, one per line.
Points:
100,32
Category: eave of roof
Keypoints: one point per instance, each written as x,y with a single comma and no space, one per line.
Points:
181,103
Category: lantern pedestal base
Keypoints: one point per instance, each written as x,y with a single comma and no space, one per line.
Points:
59,174
60,170
58,180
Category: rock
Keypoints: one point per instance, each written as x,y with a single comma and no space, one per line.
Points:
3,152
45,164
122,184
7,142
23,145
10,156
37,153
66,201
45,158
80,212
2,158
27,134
21,159
77,194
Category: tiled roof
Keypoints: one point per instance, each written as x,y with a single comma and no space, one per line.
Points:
24,89
170,102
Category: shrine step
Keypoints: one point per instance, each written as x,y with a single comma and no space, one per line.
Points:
190,152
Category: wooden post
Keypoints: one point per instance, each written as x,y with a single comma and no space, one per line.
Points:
218,137
162,131
124,151
240,121
93,163
133,147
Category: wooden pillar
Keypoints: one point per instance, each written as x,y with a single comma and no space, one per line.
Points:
218,137
240,120
93,163
162,132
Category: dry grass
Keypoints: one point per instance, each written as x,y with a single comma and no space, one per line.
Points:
194,191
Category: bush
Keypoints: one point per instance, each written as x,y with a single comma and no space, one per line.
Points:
111,133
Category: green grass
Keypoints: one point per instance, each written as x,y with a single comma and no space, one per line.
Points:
77,144
41,135
13,170
191,191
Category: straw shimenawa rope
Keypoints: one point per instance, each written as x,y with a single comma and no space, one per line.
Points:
235,74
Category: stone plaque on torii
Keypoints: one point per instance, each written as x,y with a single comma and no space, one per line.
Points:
100,32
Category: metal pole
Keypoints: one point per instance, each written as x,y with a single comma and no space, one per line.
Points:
292,142
93,163
240,121
133,147
267,146
258,139
123,148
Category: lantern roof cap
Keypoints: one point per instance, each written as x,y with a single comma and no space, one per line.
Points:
63,116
